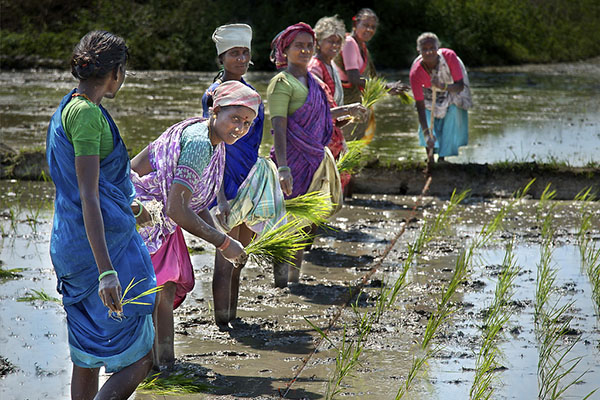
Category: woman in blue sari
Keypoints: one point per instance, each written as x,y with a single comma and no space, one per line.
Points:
246,174
94,244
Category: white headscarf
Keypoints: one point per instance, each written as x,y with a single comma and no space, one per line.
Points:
232,35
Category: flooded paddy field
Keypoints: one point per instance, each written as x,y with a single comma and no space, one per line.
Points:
526,114
272,339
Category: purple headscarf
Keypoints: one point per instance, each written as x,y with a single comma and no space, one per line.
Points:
283,40
164,155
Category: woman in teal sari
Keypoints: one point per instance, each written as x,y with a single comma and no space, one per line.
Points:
94,247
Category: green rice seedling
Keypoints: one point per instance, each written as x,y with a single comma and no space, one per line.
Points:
134,299
440,315
375,90
38,295
277,245
406,98
10,273
352,159
314,207
497,316
173,384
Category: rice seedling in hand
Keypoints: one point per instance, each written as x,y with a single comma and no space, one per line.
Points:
375,90
352,159
314,207
277,245
173,384
38,295
134,299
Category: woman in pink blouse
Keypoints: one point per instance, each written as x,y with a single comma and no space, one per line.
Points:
441,70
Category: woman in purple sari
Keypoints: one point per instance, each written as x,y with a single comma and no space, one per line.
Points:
301,118
177,177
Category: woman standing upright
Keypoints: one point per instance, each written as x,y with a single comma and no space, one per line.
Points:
440,70
248,179
302,122
355,67
177,177
94,244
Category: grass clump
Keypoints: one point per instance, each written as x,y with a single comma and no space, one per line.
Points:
11,273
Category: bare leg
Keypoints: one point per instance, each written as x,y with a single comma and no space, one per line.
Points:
84,383
280,273
165,326
294,272
122,384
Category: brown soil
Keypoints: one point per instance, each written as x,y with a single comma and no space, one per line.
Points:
484,180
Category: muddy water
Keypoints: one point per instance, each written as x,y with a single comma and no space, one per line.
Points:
530,113
271,338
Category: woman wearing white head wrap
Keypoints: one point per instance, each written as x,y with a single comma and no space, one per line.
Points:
249,180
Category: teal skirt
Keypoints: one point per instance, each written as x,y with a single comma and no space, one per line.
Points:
450,132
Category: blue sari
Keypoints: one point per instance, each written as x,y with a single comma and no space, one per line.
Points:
96,338
242,155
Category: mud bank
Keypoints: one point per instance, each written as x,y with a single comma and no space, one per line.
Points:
408,178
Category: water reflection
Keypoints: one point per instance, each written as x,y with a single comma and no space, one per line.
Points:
535,113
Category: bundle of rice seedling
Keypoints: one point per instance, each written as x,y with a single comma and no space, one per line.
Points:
406,98
314,207
375,90
278,245
135,299
172,384
350,161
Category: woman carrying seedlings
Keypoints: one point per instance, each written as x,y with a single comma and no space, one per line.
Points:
355,66
330,33
177,177
302,123
250,183
94,244
440,70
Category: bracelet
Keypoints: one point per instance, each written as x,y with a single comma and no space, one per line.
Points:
141,206
105,273
284,168
225,243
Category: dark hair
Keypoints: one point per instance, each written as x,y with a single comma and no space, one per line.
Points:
97,54
364,13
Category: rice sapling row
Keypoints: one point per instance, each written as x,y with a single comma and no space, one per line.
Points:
38,295
496,318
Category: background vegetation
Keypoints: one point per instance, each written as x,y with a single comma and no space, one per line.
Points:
166,34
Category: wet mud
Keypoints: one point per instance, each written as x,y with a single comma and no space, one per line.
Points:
271,339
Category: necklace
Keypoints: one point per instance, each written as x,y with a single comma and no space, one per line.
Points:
83,95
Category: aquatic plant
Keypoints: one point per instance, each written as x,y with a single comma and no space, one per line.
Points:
9,273
590,253
277,245
314,207
38,295
173,384
352,159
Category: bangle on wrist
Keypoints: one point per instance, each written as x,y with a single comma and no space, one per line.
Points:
284,168
105,273
141,208
225,243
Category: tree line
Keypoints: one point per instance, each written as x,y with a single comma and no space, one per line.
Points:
175,35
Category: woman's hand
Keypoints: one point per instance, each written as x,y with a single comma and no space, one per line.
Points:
109,291
145,219
222,212
286,181
234,252
357,110
438,84
397,87
430,139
